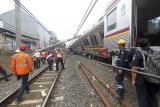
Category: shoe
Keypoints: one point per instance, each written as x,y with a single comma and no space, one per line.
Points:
27,91
18,101
120,98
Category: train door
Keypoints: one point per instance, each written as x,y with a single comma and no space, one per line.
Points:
147,18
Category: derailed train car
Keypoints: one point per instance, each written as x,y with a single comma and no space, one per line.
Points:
124,19
91,42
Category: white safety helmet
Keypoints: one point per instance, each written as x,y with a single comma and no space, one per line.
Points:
16,51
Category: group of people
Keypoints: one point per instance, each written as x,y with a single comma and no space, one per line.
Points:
146,91
53,56
22,65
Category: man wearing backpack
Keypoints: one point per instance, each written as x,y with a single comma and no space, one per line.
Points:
121,62
146,91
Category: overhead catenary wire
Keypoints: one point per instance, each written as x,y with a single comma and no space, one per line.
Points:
84,18
85,14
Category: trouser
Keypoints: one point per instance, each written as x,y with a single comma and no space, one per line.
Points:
3,72
38,62
24,86
43,59
146,93
35,64
50,63
57,63
120,85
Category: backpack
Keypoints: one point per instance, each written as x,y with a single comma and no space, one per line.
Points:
151,64
129,58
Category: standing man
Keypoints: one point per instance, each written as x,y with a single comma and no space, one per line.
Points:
21,65
34,59
59,55
38,57
49,59
121,62
146,91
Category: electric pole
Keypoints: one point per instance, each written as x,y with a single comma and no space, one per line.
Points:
18,23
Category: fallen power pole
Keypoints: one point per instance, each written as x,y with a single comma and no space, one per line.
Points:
58,43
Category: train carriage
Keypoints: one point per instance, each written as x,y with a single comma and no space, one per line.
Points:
130,20
91,42
123,19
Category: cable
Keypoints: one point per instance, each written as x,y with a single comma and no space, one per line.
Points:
84,15
81,23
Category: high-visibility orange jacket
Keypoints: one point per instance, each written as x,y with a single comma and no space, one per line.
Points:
21,63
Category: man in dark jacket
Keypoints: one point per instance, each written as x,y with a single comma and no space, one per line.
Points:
146,91
121,62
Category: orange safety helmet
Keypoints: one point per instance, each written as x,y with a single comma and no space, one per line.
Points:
22,47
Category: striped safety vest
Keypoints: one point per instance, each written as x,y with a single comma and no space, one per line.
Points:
24,61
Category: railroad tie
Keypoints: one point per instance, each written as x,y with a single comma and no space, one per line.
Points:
27,102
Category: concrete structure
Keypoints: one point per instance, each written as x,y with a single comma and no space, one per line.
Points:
30,29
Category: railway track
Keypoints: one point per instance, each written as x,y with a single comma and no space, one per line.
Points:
41,86
104,90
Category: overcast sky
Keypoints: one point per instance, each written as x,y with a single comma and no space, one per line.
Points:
61,16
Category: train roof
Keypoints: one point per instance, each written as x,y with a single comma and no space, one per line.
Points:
111,4
86,34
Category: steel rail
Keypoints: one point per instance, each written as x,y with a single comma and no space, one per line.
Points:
100,93
46,101
126,70
109,89
10,96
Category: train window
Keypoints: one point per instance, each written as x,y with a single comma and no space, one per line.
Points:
148,21
102,34
92,41
111,20
84,42
81,43
87,41
95,40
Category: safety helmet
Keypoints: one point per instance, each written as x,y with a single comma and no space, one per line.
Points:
22,47
121,41
16,51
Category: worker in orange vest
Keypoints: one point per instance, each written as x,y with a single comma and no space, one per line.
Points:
21,65
59,58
